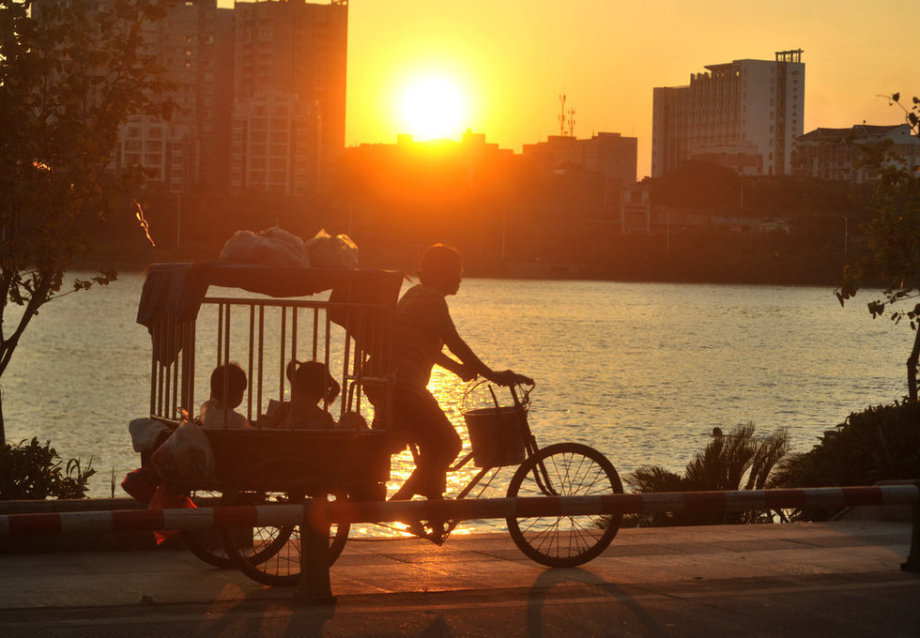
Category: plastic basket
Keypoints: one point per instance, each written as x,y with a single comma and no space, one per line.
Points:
496,435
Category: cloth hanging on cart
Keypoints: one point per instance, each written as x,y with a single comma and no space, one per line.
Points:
173,292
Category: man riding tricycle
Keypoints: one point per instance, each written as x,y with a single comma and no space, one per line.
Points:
382,347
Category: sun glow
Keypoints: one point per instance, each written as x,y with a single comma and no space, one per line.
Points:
432,107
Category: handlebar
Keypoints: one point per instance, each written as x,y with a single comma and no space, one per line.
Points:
520,392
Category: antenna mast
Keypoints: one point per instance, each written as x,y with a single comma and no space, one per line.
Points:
561,116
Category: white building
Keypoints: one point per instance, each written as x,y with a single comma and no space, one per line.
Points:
743,114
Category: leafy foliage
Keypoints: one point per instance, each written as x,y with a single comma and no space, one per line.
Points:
880,443
34,471
735,461
894,246
70,74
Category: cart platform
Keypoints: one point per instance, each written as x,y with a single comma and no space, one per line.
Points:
308,461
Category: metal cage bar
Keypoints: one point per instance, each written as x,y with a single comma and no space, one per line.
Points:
281,359
226,361
153,370
315,331
173,384
294,311
261,361
177,344
249,370
220,331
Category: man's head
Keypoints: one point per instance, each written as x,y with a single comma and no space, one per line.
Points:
441,267
230,378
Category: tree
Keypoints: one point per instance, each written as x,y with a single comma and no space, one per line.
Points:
894,245
70,74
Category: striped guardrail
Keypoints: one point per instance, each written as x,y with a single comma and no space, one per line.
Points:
314,584
95,522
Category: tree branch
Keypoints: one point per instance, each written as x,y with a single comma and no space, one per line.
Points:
37,298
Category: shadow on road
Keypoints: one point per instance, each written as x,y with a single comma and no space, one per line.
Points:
580,581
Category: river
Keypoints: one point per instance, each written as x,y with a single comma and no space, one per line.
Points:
641,371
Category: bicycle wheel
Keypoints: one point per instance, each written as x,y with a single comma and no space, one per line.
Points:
274,558
564,469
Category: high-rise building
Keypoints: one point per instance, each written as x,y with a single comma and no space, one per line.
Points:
743,114
193,45
259,92
289,94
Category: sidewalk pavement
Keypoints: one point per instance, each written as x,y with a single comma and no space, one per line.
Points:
758,580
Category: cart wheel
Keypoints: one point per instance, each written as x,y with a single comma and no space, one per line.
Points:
208,546
564,469
274,558
211,547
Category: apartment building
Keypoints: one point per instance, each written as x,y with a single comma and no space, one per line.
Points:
193,44
844,154
743,114
259,91
288,121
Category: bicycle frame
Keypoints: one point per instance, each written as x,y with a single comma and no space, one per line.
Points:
530,449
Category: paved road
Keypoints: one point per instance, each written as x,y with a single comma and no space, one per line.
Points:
792,580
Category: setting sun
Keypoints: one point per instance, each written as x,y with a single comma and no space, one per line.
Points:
432,107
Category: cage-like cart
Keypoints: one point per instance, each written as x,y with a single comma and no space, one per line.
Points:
192,333
349,332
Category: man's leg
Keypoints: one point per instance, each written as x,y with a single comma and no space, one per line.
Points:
438,444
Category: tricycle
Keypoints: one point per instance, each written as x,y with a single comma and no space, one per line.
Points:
191,333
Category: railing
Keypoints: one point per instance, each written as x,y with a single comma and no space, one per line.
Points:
262,336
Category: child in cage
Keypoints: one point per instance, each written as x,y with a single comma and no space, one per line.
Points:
228,383
311,384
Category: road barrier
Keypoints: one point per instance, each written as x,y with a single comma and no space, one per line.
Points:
316,516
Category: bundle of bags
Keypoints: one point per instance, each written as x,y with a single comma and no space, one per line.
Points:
181,456
279,248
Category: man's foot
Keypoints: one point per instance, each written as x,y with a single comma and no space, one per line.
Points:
402,494
435,531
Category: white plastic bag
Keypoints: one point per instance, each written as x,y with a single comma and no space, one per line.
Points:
328,251
145,433
270,247
185,458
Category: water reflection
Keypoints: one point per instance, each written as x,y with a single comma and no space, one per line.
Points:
449,392
641,372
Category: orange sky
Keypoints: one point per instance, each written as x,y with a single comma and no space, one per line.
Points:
513,57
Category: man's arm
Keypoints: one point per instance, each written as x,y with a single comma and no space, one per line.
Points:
473,363
462,371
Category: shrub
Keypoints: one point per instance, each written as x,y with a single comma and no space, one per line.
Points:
34,471
729,462
880,443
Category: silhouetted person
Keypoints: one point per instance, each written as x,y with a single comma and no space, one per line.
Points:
422,327
311,384
228,383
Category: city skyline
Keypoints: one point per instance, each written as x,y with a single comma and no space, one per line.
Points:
512,65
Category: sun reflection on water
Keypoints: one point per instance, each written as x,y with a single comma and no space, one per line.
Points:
449,391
